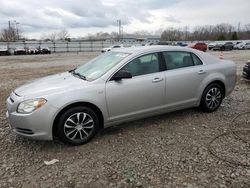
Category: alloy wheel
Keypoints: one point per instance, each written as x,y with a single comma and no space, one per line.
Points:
213,98
79,126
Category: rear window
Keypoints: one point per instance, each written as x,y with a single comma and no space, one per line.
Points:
175,60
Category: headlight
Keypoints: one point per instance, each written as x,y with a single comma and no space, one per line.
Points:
31,105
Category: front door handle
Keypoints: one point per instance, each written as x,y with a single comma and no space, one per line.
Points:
155,80
201,72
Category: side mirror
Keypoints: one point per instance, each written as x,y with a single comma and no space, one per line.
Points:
121,75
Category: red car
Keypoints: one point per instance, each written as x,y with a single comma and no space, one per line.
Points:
199,46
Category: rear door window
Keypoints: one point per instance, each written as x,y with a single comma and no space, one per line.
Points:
175,60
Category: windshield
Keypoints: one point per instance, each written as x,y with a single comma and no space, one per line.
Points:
100,65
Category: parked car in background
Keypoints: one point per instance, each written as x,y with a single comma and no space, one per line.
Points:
137,45
238,42
199,46
164,43
111,48
247,46
149,44
122,85
183,44
246,71
239,46
44,50
224,46
4,52
20,51
32,50
211,45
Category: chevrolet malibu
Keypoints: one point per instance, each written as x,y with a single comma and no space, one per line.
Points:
119,86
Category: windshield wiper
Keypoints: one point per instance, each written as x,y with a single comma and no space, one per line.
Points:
78,75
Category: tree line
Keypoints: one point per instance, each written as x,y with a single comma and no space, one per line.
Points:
222,31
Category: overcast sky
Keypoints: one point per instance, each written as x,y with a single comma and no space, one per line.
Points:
81,17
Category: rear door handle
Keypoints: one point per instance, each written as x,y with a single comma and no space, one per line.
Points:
155,80
201,72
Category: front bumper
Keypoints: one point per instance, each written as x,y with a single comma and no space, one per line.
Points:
36,125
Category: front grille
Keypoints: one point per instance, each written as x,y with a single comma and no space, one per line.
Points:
24,131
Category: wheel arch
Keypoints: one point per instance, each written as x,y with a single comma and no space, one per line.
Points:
216,81
220,83
76,104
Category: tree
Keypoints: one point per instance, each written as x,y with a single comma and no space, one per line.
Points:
221,37
10,34
142,33
52,36
234,36
221,31
171,34
62,35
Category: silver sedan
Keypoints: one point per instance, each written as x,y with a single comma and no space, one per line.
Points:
119,86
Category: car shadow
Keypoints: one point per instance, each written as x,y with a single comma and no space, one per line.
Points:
56,145
147,122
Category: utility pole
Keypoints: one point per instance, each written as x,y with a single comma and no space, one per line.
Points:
16,27
119,28
17,32
9,25
8,33
122,31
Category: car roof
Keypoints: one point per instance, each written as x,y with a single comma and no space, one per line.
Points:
154,48
135,51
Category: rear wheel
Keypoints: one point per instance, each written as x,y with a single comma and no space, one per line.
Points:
78,125
211,98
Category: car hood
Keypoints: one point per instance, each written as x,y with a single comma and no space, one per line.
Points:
212,44
50,84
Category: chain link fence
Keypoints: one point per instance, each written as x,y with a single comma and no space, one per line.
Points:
63,46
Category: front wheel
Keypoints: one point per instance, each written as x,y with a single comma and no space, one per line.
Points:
211,98
78,125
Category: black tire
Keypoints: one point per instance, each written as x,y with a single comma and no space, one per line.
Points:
211,98
67,123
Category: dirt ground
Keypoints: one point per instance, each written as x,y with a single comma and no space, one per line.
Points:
187,148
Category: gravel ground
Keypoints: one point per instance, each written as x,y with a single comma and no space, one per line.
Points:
179,149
